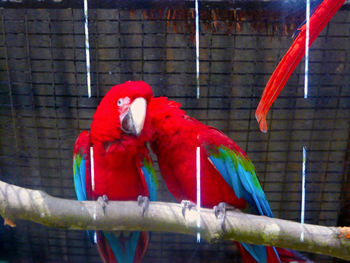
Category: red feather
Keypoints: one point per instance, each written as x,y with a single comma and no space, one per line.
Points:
104,249
291,59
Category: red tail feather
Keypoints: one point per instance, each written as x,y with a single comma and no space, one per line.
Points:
290,256
247,258
291,59
104,249
141,247
271,255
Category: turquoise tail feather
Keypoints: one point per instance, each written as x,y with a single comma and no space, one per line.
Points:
123,247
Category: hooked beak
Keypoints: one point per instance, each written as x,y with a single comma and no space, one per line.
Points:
132,122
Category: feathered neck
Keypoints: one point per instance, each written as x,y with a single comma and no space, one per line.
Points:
161,112
161,108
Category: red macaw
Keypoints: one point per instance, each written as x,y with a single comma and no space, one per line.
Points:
227,174
111,161
319,19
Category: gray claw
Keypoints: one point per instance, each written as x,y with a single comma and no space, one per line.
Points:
186,204
103,201
143,202
220,213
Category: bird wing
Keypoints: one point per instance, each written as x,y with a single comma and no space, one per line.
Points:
239,173
81,171
81,168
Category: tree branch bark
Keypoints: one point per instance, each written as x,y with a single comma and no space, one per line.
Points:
37,206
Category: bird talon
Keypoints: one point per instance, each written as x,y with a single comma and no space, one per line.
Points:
220,213
143,202
105,198
216,211
186,204
103,201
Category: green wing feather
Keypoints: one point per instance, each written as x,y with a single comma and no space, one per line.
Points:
239,172
150,178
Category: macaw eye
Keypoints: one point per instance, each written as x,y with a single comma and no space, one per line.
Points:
120,102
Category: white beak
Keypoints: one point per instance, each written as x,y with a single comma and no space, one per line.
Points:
132,122
138,113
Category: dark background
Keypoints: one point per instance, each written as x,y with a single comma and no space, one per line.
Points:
44,104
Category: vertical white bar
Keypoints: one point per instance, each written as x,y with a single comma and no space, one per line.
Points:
92,168
87,48
198,176
197,48
302,216
307,40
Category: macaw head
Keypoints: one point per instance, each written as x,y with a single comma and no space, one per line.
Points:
122,111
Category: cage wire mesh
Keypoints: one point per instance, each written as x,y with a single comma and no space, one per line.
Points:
44,106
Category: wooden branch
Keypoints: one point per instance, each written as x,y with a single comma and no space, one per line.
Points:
37,206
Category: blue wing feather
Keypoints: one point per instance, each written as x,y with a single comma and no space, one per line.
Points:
79,176
79,171
150,178
240,175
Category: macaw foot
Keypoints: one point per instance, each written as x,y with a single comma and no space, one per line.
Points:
186,204
143,202
103,201
220,213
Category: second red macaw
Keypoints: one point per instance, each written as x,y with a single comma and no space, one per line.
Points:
110,161
227,174
319,19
